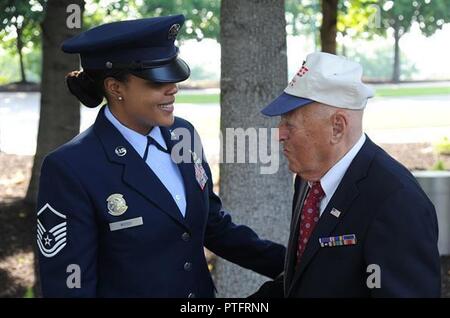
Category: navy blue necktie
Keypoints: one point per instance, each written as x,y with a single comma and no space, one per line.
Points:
150,141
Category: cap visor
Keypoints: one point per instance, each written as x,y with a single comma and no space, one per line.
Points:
284,104
175,71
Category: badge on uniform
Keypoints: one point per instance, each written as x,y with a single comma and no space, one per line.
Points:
125,224
116,204
200,173
50,242
121,151
173,31
341,240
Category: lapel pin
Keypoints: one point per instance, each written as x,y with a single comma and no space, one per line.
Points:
173,135
335,212
121,151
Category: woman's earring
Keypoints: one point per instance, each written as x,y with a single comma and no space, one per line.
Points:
120,98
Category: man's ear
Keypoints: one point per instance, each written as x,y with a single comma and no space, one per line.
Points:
339,122
113,88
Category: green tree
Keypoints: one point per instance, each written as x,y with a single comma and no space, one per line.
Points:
399,15
346,17
20,27
377,67
59,117
99,12
202,16
303,17
356,19
328,28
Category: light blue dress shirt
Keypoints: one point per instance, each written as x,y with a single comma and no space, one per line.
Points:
160,162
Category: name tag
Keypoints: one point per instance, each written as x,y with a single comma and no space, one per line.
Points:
126,224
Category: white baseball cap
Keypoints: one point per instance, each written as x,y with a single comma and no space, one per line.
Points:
324,78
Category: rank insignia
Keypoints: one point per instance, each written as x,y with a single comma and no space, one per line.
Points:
50,242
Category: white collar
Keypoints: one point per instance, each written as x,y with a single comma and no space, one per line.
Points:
330,181
138,141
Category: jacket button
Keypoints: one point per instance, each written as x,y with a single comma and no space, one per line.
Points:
191,295
187,266
186,236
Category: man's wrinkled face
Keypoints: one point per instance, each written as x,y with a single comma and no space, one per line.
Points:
305,134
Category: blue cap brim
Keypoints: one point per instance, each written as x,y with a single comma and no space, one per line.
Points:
284,104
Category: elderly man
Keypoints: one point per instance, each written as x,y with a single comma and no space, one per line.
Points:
361,225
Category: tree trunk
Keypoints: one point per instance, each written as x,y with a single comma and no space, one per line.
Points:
396,66
295,31
60,112
343,48
23,78
59,119
328,28
253,73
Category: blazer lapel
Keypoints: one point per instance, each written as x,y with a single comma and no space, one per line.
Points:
136,173
342,199
291,254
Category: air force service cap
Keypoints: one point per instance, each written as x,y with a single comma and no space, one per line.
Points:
325,78
145,47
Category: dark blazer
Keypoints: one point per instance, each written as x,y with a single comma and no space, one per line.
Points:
395,226
163,256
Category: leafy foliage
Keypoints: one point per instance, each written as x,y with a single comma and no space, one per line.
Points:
430,14
20,31
443,146
202,16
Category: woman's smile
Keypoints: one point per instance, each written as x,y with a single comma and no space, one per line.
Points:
167,107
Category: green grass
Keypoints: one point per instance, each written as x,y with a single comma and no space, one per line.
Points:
412,91
29,292
383,92
197,99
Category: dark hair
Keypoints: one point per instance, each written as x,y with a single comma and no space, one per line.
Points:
87,85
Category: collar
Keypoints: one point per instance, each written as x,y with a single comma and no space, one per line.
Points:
137,140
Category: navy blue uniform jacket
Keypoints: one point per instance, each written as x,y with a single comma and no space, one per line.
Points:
162,257
395,226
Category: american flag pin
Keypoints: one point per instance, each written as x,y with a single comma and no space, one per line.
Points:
335,212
